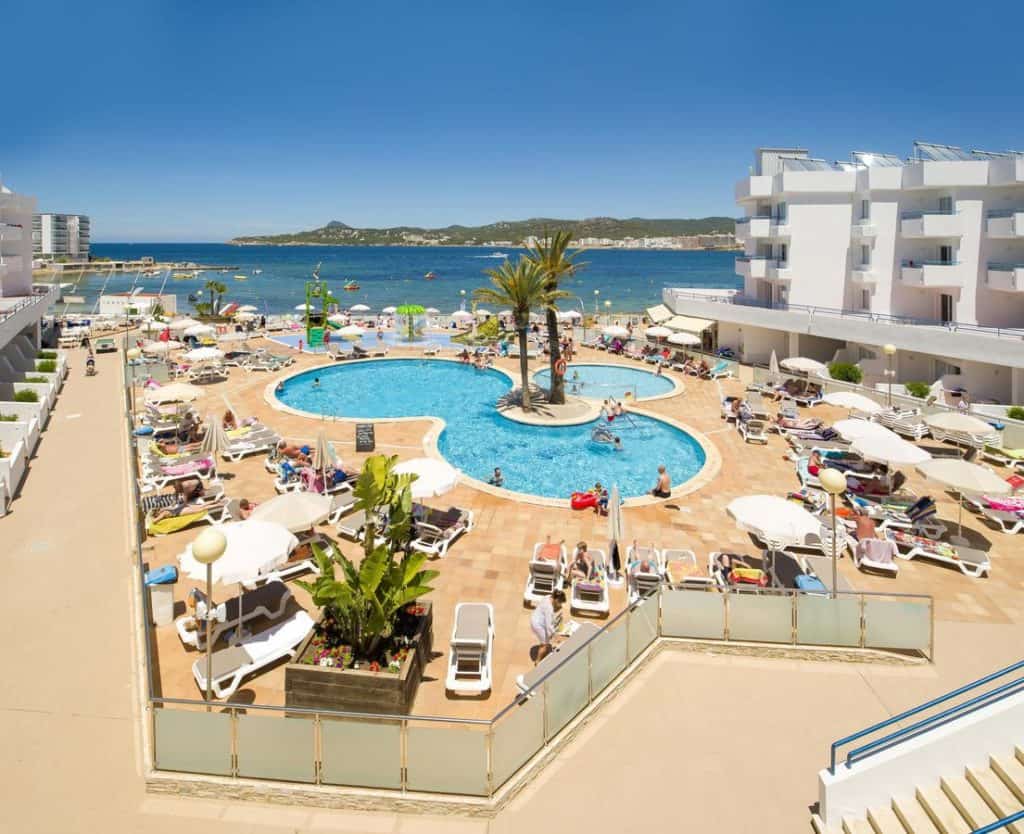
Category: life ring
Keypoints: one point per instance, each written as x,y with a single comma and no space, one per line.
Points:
583,500
560,367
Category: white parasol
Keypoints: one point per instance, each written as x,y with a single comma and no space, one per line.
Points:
359,308
775,520
388,311
894,451
462,315
853,401
616,331
802,365
296,511
954,421
203,354
853,429
964,477
683,339
162,347
253,548
433,477
176,392
659,332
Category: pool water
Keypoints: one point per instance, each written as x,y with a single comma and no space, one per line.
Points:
602,381
539,460
369,340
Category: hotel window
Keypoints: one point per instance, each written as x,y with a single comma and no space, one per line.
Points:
865,255
780,213
946,205
865,301
783,253
945,369
865,209
946,254
946,308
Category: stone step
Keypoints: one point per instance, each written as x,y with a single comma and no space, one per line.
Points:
856,826
914,818
996,793
942,812
1011,770
884,821
968,801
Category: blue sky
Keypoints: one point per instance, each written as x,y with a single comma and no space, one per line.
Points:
196,121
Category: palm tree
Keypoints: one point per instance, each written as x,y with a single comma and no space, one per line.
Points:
520,287
549,254
216,290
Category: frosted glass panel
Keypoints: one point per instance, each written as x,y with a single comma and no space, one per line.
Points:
193,742
822,621
276,748
897,624
698,614
516,737
567,691
379,763
607,656
764,619
447,759
643,626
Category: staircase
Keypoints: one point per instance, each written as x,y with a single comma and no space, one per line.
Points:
960,804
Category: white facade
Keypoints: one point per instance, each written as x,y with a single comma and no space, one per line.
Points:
841,258
136,304
61,235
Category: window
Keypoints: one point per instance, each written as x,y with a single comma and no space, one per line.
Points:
865,301
945,369
945,254
865,209
945,205
865,255
780,213
783,253
946,308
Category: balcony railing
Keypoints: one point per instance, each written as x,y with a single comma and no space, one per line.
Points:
917,215
1003,266
1004,212
913,263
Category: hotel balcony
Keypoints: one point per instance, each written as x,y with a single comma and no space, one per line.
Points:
778,270
945,173
1007,277
753,187
931,274
751,228
930,224
864,274
1008,223
863,230
780,228
752,266
9,232
1006,171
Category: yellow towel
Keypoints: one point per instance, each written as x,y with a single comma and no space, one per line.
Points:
174,523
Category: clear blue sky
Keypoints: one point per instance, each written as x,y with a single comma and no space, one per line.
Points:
193,121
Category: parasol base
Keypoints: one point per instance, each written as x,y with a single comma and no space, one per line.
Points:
959,541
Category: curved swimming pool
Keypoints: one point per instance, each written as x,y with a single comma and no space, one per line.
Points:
550,461
599,382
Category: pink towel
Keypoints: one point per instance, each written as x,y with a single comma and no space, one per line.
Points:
187,468
876,550
1009,505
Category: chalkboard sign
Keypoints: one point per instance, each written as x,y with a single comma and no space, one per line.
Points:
365,440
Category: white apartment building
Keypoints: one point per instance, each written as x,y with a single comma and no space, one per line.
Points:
842,258
61,236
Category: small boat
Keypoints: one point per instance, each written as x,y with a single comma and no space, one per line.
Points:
431,276
350,286
257,272
241,277
183,276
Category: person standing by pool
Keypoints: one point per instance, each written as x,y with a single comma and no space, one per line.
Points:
327,336
544,622
662,489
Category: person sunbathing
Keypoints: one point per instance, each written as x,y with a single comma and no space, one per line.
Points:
228,421
703,370
865,526
583,566
805,424
295,454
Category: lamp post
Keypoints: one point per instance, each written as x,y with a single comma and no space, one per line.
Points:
597,296
834,483
607,309
462,300
207,548
130,356
890,352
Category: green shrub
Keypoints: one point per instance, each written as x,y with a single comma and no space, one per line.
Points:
26,395
35,379
47,354
8,418
845,372
1015,412
918,389
46,366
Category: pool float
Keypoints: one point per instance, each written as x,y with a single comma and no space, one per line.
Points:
583,500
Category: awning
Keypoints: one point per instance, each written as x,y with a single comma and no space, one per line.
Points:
690,324
659,314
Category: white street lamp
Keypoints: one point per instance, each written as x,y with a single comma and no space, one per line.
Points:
890,352
207,548
834,483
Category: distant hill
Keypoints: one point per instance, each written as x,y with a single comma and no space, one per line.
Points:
512,232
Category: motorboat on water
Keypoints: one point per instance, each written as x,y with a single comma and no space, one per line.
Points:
430,276
257,272
241,277
351,286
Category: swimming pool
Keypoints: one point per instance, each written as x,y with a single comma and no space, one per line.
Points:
369,340
601,381
550,461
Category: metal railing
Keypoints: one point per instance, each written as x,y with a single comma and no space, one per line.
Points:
931,722
1000,824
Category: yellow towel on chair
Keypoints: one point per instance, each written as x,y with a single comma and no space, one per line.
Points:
174,523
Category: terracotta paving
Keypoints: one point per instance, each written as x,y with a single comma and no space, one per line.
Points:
490,563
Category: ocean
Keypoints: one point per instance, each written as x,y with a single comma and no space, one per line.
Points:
630,279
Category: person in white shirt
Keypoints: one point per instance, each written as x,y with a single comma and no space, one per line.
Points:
544,621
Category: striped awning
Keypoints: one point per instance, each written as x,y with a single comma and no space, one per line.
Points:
659,314
690,324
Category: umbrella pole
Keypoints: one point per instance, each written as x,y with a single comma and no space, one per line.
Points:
835,549
209,632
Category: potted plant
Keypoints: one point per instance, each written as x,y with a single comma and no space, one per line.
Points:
373,637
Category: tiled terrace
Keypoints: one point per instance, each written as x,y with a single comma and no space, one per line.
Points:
489,564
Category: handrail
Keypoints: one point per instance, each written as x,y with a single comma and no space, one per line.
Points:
999,825
917,215
918,709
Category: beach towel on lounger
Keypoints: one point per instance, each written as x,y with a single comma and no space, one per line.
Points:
173,523
188,468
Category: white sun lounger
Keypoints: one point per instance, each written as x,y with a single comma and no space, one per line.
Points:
682,570
269,601
969,561
752,430
1008,522
641,583
546,575
435,539
876,555
250,446
469,654
232,665
592,595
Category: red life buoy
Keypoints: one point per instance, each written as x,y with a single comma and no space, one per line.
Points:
560,367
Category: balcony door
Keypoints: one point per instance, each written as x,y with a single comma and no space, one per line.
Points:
946,254
946,308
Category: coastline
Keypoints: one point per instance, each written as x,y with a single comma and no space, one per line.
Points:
485,245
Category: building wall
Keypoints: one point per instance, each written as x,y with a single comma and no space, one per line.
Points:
16,254
61,235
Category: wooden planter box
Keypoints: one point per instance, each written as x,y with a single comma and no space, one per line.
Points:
359,690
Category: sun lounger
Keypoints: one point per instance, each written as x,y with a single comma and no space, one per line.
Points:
591,595
469,653
351,526
821,567
642,582
435,530
913,428
342,502
1014,458
254,444
789,573
235,663
920,517
727,412
737,572
967,560
269,601
431,350
1009,521
876,555
722,370
207,513
546,572
810,396
576,641
162,476
753,430
682,570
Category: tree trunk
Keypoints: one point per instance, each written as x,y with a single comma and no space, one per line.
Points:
524,369
557,391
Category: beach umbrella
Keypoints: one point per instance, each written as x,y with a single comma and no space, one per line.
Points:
248,308
505,313
244,316
233,336
303,307
152,326
682,339
359,308
183,324
323,453
389,310
616,331
482,313
162,347
295,511
954,421
176,392
337,318
773,366
433,476
351,331
433,311
853,401
802,365
658,332
894,451
214,439
775,520
203,354
853,429
963,477
253,548
616,530
462,315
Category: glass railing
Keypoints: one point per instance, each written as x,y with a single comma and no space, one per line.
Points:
995,213
917,215
913,263
1004,266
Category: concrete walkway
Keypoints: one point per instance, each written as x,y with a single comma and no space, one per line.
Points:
698,742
